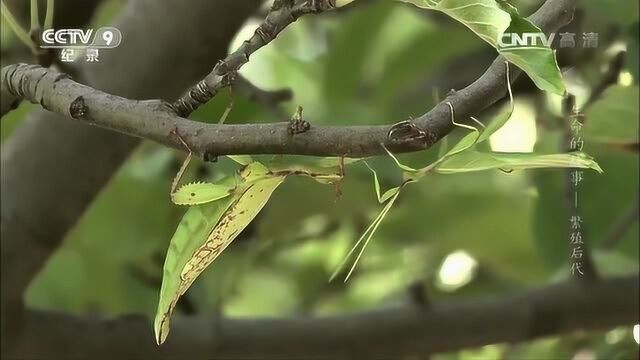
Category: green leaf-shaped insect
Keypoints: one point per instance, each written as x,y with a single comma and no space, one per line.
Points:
464,157
217,214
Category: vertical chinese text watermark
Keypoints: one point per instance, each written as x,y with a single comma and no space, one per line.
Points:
576,176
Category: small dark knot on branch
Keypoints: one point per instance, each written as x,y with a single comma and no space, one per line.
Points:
406,132
78,108
297,124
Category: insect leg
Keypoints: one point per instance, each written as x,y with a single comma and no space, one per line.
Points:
227,110
183,167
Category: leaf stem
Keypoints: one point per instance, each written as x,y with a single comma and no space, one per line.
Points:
35,21
48,19
13,24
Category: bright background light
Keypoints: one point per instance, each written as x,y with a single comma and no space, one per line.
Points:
519,133
625,78
456,271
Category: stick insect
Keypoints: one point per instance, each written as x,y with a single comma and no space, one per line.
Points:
463,157
217,214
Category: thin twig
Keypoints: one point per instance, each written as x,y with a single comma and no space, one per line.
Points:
282,13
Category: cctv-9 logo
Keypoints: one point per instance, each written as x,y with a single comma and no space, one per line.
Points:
107,37
104,38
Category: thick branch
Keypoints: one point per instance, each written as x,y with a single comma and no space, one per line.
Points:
390,333
156,121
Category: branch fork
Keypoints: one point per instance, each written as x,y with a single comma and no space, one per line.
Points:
282,14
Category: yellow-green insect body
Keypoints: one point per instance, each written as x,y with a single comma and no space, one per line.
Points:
237,216
194,224
218,214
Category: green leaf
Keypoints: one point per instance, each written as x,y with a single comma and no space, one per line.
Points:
483,17
490,20
538,61
477,161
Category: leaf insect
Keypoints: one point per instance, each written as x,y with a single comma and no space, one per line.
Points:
217,214
462,157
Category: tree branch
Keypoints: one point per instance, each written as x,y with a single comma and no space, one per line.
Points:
282,13
390,332
156,120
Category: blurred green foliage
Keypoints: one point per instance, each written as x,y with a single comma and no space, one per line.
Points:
357,67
